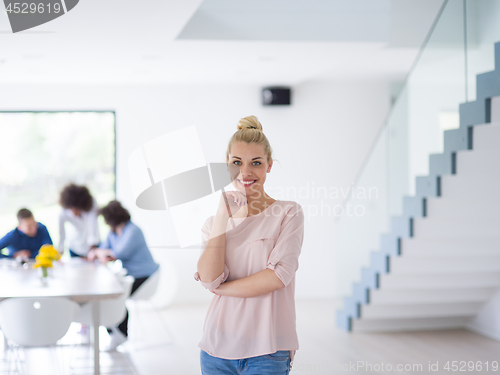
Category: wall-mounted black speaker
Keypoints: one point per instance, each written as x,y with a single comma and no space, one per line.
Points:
276,96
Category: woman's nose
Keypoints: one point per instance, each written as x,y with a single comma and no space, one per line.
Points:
245,171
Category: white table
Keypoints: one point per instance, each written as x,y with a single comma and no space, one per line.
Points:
77,280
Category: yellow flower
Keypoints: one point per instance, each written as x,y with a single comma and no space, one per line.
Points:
45,256
48,264
42,261
48,251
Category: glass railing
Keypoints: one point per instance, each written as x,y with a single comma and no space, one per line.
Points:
459,46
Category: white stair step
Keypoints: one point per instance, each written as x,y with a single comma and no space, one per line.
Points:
472,207
420,311
478,162
480,189
486,137
426,296
439,280
455,227
384,325
450,246
443,264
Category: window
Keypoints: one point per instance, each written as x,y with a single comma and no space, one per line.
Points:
40,152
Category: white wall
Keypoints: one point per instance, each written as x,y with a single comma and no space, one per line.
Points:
320,141
487,321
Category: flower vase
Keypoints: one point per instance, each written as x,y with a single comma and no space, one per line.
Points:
44,274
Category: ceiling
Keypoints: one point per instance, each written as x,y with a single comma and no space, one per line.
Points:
291,20
219,41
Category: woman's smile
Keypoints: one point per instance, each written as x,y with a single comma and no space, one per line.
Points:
246,183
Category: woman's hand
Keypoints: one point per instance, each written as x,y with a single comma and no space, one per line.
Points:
92,255
104,255
233,204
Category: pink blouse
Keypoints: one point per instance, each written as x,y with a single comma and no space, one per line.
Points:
235,327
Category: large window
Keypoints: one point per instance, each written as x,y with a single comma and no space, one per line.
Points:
40,152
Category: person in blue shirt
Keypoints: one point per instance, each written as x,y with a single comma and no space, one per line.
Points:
26,240
126,242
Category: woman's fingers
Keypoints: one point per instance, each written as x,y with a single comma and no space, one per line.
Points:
237,197
234,201
242,199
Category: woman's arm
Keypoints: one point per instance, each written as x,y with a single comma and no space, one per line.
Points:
103,255
282,263
260,283
211,267
212,260
128,243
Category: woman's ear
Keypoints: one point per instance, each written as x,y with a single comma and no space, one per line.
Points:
270,165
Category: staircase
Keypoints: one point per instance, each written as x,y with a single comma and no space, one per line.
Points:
440,263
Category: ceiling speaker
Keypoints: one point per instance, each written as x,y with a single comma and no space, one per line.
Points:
276,96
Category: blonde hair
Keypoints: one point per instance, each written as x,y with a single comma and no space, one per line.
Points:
250,130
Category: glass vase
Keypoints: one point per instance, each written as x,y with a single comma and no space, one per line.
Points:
44,274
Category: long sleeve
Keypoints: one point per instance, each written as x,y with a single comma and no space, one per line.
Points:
44,234
205,234
284,258
62,232
106,244
131,248
130,240
94,237
4,242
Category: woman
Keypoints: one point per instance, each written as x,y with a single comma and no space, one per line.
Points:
80,211
126,242
250,254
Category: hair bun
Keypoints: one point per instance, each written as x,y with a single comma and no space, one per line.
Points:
249,122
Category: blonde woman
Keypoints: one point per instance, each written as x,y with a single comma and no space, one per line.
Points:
250,255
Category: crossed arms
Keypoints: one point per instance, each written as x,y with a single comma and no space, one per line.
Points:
211,267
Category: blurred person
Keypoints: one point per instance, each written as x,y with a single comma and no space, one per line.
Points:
25,241
80,210
125,242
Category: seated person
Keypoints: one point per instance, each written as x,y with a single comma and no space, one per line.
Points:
26,240
126,242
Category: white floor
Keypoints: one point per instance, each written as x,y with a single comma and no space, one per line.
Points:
165,342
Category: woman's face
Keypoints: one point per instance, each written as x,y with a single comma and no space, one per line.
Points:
248,167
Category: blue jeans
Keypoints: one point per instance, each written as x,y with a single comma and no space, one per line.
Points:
277,363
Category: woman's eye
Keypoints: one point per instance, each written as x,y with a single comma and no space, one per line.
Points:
237,162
